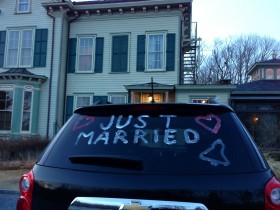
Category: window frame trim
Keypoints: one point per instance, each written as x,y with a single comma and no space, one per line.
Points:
6,87
125,95
23,12
76,95
78,54
164,34
19,53
27,88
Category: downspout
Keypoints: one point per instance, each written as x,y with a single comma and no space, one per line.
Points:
66,67
51,75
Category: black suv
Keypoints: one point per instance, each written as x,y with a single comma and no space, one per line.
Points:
151,156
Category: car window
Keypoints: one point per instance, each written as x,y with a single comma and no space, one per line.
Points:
171,144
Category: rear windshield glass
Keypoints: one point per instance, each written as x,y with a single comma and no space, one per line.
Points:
171,144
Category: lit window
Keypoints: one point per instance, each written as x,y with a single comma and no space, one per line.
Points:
155,55
6,107
201,100
23,6
26,111
147,97
85,54
19,48
82,100
269,74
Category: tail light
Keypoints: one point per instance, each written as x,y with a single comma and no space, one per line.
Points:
272,195
26,188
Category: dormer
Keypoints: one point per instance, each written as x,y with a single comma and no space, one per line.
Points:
266,70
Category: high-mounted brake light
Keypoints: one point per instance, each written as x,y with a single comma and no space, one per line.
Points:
26,189
272,194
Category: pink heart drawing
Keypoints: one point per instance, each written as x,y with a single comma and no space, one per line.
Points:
202,119
82,122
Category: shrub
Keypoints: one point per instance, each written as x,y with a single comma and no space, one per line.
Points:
23,149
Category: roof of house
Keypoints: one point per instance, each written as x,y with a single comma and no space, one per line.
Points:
258,86
21,73
270,62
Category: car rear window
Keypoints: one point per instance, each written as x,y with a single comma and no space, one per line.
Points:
181,143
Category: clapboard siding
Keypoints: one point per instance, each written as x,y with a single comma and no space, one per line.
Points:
134,25
220,93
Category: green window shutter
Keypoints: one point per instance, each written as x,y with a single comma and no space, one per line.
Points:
140,65
72,55
170,52
69,106
99,54
40,51
120,53
2,47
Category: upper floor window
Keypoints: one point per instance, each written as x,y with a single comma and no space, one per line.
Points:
120,53
6,108
156,49
20,48
269,74
23,6
86,54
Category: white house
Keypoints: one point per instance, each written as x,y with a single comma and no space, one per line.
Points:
26,72
58,55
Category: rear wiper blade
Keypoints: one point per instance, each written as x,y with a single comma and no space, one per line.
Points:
115,161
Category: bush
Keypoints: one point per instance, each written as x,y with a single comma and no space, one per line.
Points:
22,149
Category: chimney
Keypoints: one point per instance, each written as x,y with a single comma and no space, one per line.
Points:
273,54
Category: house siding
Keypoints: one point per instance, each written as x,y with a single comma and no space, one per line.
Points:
186,95
105,27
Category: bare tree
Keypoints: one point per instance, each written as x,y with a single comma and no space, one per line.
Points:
233,57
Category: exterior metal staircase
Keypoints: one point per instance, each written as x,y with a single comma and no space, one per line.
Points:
190,52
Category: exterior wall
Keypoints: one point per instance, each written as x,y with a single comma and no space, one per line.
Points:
221,94
39,19
134,24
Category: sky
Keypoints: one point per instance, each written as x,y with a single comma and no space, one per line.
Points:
225,18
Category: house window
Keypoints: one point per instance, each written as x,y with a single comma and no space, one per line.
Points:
146,97
118,98
269,74
20,48
23,6
120,53
82,100
26,110
201,100
155,54
85,54
6,107
278,73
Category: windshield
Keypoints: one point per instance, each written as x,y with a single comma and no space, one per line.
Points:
163,144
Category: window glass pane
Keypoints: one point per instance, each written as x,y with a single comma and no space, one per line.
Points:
155,53
13,45
6,104
118,99
85,54
82,101
23,5
26,48
269,74
26,113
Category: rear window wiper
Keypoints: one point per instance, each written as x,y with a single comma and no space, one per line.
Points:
115,161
